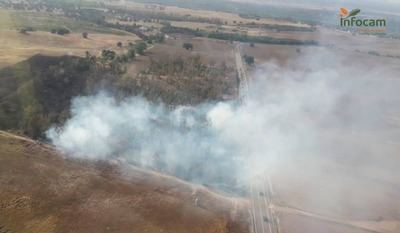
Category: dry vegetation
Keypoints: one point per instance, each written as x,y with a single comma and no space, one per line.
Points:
40,191
223,16
15,47
185,86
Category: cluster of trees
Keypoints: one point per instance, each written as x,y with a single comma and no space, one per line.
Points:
259,39
178,80
374,53
141,47
60,31
180,30
249,59
109,60
186,67
34,99
125,27
187,46
25,30
281,28
157,38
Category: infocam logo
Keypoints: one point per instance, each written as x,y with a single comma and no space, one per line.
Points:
350,19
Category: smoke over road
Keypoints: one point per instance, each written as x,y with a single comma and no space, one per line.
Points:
304,112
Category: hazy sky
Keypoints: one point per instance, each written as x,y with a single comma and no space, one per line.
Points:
371,5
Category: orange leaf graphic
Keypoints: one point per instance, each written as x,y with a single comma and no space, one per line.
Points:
344,11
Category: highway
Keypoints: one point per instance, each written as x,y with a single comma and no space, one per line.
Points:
263,216
242,74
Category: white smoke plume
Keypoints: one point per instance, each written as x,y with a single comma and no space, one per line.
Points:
310,110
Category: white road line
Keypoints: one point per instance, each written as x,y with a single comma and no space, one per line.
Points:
253,207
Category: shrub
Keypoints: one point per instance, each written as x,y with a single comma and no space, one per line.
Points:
108,54
188,46
131,53
249,60
60,31
141,47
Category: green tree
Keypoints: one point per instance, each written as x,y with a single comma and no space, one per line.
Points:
188,46
131,53
62,31
249,60
141,47
108,54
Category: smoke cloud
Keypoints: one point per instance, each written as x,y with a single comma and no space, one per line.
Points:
297,116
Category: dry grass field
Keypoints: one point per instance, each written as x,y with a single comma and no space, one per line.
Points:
15,47
223,16
41,191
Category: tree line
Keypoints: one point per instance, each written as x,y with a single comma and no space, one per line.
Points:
236,36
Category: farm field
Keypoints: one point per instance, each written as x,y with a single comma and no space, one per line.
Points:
44,21
15,47
230,18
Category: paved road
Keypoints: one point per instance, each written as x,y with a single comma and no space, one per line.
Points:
242,74
264,219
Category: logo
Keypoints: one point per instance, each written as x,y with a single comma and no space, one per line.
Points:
351,19
344,13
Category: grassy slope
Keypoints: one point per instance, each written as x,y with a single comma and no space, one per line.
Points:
42,192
